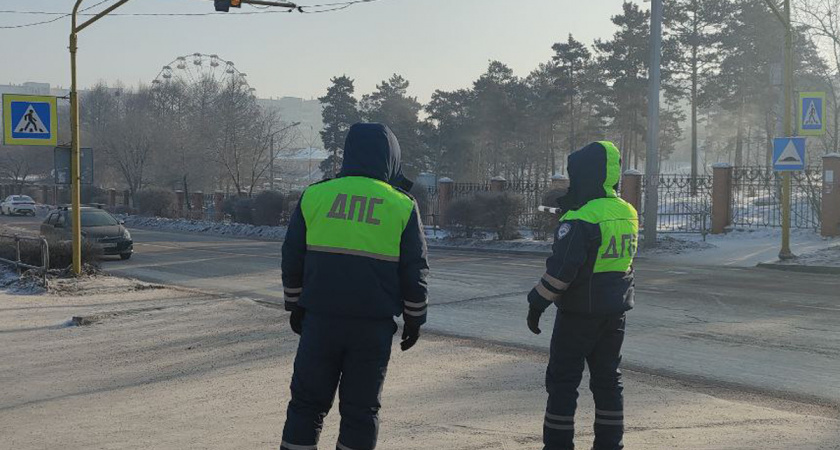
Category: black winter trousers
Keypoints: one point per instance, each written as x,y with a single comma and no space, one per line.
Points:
350,355
597,341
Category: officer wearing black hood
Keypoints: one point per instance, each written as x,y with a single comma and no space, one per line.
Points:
354,257
589,277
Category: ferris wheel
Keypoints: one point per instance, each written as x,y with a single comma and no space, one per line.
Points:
190,69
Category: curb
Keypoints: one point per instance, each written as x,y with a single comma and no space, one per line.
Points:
823,270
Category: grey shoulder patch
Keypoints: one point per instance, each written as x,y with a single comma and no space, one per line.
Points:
563,230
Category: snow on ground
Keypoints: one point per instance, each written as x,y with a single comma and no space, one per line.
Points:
169,369
744,248
827,257
737,248
207,227
12,283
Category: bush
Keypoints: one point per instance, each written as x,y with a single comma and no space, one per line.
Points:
93,194
240,209
499,212
156,202
268,208
544,223
462,216
552,197
291,201
61,253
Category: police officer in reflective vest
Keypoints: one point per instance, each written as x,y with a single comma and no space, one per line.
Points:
353,259
589,277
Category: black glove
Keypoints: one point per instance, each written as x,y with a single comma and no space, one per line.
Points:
534,320
296,320
411,333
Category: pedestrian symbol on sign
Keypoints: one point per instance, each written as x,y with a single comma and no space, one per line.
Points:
30,120
812,118
30,123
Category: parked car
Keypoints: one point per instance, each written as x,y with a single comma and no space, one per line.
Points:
98,226
17,204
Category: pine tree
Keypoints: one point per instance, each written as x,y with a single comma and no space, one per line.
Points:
624,61
338,115
693,35
391,105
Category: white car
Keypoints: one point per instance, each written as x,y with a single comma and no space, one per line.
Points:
17,204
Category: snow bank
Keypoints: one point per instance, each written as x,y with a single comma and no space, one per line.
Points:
827,257
742,248
207,227
13,284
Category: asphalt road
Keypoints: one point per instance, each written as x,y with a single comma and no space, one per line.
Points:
728,328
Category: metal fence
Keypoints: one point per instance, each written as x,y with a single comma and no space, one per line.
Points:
757,194
18,262
685,204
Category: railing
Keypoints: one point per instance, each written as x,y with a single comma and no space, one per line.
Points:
757,194
685,204
18,262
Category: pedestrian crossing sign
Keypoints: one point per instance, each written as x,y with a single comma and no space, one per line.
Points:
30,120
812,113
788,154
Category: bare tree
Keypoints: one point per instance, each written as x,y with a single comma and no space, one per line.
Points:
19,164
128,137
821,19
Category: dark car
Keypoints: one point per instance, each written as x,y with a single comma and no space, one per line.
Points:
98,226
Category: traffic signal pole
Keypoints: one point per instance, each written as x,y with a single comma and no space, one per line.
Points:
787,119
75,131
75,152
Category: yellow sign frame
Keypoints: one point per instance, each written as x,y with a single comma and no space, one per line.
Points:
8,126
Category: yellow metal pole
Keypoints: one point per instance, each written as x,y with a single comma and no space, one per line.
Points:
785,252
75,133
75,179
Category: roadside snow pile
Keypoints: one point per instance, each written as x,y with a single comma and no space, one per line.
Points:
671,245
206,227
827,257
522,245
13,284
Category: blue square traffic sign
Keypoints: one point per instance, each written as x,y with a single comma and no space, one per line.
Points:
788,154
30,120
811,115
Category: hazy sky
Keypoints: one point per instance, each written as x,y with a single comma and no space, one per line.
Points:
435,44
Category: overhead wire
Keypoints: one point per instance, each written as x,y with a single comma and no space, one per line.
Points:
63,15
303,9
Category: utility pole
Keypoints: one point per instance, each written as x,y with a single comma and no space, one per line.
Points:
787,119
75,131
652,157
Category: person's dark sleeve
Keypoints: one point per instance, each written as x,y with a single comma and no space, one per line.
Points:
294,252
569,253
413,270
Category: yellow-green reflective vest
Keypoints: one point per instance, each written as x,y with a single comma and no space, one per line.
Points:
619,224
356,216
